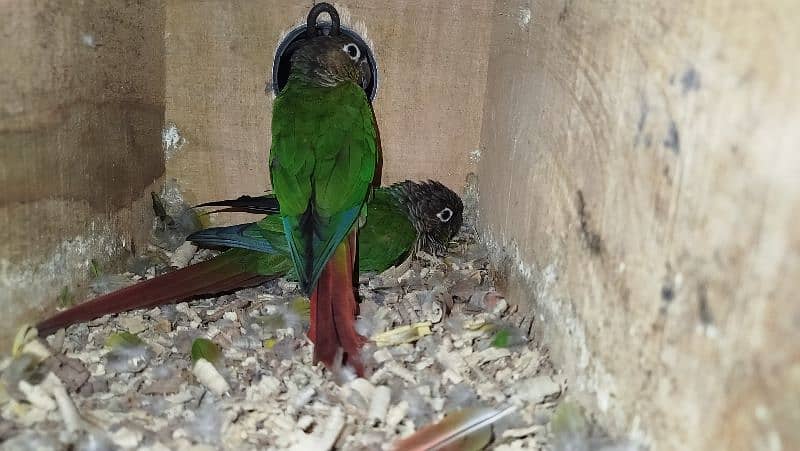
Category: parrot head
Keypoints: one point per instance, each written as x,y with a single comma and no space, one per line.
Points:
330,60
435,210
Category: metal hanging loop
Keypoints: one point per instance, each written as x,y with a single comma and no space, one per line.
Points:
311,21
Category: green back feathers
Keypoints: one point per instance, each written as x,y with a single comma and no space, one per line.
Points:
322,162
271,229
321,138
387,236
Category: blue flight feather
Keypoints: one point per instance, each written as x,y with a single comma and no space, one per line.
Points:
242,236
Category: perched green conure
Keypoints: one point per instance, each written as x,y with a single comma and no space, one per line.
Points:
400,218
323,161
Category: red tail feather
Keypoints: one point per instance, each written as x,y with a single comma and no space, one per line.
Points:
214,276
333,310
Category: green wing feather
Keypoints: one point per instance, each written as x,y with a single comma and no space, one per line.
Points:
387,236
322,162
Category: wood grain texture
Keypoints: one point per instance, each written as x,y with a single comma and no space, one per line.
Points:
640,174
81,111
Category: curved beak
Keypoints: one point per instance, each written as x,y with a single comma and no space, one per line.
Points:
366,71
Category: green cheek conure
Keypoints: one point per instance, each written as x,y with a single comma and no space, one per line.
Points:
401,218
323,162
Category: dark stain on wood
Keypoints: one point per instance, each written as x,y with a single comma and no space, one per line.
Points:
591,239
703,309
690,80
673,139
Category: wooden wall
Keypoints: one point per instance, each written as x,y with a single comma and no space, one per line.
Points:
81,112
640,177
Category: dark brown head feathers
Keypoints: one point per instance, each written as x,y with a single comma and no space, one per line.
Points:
434,209
330,60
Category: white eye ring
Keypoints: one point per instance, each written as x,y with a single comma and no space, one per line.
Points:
352,51
445,214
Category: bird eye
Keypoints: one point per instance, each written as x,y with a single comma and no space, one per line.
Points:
353,51
445,214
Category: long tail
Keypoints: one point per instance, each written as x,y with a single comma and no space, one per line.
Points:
333,310
218,275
